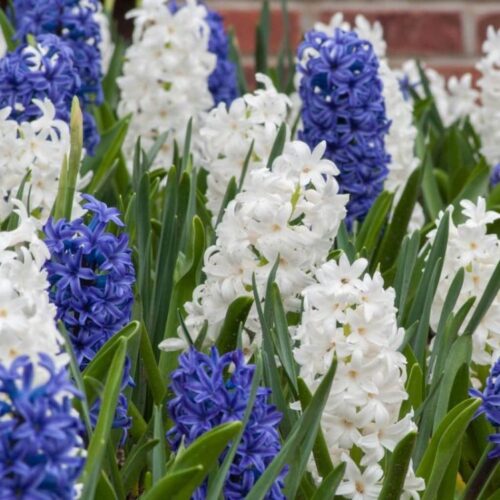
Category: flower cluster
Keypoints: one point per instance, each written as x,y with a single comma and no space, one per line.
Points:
165,75
228,132
76,24
41,453
343,105
41,449
400,139
91,276
222,82
490,405
291,214
44,71
210,390
472,248
487,116
349,315
36,148
27,325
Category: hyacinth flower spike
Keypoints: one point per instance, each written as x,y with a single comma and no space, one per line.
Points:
222,82
213,389
41,448
91,278
76,25
343,105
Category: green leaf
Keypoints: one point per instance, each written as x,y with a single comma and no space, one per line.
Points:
395,475
329,485
427,286
136,462
406,263
391,242
458,356
105,160
159,452
489,294
433,202
229,195
449,436
207,449
98,368
168,248
375,220
109,85
177,486
281,337
100,438
278,145
414,388
236,315
272,376
421,337
320,450
153,374
183,289
104,488
78,378
476,184
447,309
193,464
344,242
9,32
303,433
425,465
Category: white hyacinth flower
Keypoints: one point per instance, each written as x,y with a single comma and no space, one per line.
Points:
38,148
165,75
27,318
289,214
487,115
228,133
472,248
351,316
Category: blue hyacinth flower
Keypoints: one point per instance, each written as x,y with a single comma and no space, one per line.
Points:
343,105
91,278
211,390
490,405
74,22
40,433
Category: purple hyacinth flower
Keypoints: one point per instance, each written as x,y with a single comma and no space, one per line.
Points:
91,278
343,105
75,24
211,390
40,433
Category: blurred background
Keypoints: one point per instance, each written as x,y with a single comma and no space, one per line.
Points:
446,34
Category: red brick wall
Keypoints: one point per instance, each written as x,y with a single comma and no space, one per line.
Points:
446,34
